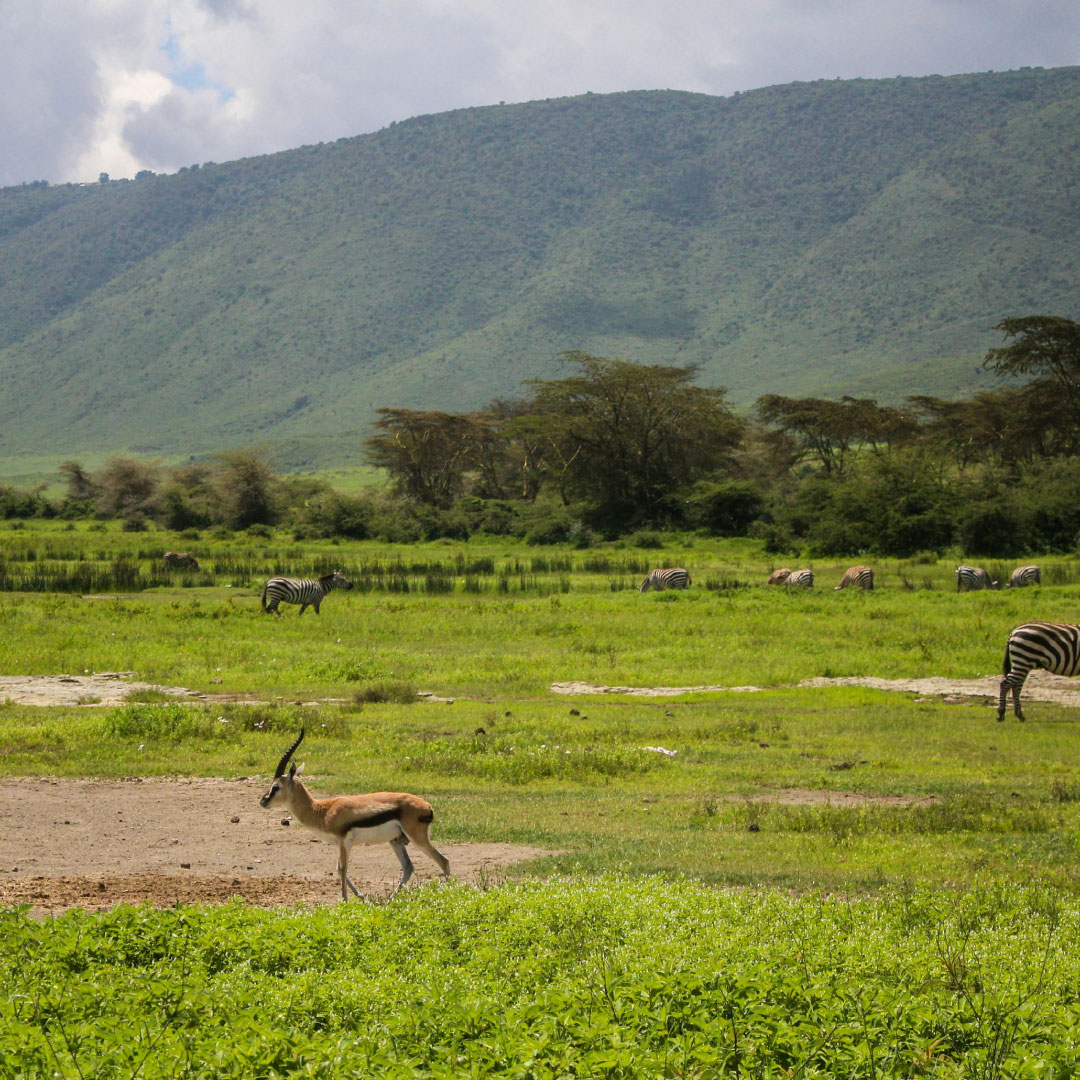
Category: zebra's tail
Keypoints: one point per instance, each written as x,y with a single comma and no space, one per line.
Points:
1006,666
262,599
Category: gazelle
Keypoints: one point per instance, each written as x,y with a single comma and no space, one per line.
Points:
392,817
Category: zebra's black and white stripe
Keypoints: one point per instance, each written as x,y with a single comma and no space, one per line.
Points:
1054,647
674,577
1024,575
857,577
302,591
970,578
802,579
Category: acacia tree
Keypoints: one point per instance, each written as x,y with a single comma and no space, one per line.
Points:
125,487
629,438
831,430
1048,348
242,481
825,430
426,453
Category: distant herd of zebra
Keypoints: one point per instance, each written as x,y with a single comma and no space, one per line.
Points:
1054,647
968,578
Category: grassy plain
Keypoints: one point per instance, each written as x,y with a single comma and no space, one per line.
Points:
902,871
945,793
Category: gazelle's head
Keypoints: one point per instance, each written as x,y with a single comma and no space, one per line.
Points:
280,790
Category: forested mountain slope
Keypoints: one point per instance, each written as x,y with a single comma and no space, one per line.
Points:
816,238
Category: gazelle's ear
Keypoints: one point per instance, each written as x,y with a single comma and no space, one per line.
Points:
298,769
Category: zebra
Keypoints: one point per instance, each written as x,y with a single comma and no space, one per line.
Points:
802,579
857,576
970,578
301,591
674,577
1054,647
778,577
180,560
1024,575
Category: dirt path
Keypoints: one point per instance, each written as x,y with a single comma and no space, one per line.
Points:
94,844
1040,686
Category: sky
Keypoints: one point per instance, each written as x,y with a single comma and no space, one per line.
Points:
117,86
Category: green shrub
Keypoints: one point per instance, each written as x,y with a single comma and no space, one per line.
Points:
386,691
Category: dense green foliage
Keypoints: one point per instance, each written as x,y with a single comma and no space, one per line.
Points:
859,236
618,447
605,978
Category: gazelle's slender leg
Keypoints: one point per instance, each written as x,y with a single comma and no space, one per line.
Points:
343,869
398,845
425,845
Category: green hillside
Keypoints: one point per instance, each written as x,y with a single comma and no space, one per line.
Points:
815,238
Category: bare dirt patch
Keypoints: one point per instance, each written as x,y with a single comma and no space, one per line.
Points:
95,843
1040,686
821,797
584,688
102,688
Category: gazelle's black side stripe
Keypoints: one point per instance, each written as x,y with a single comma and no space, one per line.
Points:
380,818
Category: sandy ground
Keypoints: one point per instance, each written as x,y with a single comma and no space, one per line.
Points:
94,844
1040,686
100,688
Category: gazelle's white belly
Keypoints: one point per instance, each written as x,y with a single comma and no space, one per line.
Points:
375,834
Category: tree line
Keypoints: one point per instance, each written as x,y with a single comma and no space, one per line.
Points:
617,447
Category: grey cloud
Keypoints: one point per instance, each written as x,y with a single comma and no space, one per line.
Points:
332,68
52,96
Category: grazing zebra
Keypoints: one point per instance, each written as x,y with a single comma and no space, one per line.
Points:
802,579
970,578
778,577
301,591
674,577
1054,647
180,560
861,577
1024,575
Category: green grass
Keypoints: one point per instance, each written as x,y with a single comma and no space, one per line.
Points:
587,786
817,882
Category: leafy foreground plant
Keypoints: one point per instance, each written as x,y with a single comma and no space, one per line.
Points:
604,977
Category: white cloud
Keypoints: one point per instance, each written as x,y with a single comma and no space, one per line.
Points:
119,85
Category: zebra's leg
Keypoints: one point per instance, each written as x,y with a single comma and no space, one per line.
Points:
398,844
1016,703
1002,698
303,608
315,605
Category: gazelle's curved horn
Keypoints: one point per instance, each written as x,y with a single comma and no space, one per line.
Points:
288,754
